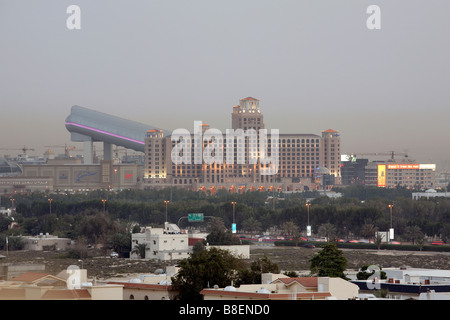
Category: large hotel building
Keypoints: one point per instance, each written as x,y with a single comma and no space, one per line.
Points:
304,161
211,161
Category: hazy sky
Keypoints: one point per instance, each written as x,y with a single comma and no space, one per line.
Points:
313,64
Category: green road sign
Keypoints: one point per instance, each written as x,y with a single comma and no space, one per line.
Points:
195,217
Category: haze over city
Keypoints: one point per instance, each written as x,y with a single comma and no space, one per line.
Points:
313,64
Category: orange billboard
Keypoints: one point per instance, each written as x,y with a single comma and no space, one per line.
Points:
403,166
382,175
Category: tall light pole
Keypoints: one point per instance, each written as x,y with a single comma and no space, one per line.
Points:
12,203
391,230
104,202
390,209
308,227
50,202
166,202
234,224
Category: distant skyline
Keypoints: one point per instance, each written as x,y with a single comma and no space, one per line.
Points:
313,64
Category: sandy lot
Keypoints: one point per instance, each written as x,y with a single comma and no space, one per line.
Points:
288,259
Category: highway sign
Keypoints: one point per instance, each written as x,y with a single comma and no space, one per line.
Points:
195,217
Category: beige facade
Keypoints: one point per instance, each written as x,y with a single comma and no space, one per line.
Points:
391,174
46,242
81,177
411,175
332,152
286,288
20,184
146,291
239,166
44,286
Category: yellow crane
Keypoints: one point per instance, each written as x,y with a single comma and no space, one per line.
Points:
67,149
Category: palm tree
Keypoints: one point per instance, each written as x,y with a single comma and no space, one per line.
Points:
368,231
139,249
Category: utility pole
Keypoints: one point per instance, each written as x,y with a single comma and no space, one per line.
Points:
50,202
234,223
166,202
391,230
308,227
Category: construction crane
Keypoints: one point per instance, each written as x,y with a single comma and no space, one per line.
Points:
390,153
24,149
66,149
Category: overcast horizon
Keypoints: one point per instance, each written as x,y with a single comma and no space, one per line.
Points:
314,65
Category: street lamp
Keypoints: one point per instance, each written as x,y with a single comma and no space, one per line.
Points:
390,209
234,224
308,227
391,230
307,207
166,202
104,202
50,202
12,203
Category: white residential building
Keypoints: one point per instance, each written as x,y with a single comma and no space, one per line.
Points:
167,243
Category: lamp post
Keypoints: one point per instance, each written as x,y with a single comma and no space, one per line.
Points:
234,224
308,227
166,202
104,203
12,203
391,230
307,207
50,202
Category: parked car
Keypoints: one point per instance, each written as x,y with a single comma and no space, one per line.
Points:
309,245
438,243
114,255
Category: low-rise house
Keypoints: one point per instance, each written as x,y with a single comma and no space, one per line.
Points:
146,291
150,286
46,242
44,286
286,288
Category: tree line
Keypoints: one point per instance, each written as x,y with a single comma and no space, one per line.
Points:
358,213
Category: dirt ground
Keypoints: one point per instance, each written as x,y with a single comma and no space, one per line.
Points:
287,258
298,258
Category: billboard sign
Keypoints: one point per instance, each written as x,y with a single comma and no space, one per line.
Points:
403,166
381,175
411,166
428,166
391,234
